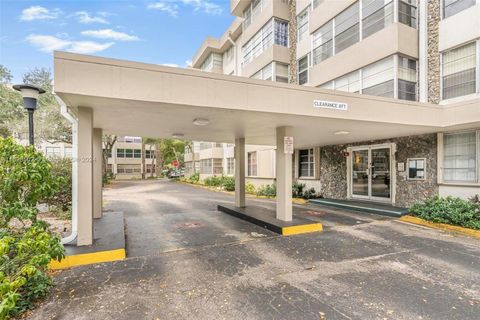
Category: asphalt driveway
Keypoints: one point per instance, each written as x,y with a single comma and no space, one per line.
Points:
188,261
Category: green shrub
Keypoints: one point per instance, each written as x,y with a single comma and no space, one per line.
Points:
309,194
449,210
250,188
26,178
297,189
268,190
194,178
61,200
228,183
213,181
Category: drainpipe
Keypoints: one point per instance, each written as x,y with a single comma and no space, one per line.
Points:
74,121
234,52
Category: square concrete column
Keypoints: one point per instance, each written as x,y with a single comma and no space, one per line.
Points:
97,173
239,172
85,176
283,176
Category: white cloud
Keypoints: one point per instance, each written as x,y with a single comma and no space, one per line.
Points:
109,34
188,63
164,6
89,46
85,18
172,8
39,13
174,65
48,43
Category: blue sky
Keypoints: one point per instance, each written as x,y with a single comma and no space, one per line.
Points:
157,31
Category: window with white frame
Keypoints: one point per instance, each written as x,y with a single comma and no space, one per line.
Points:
347,28
407,12
129,153
303,65
217,166
306,163
274,71
252,164
302,24
273,32
214,60
206,166
129,168
251,12
323,43
459,71
149,168
230,166
266,73
281,72
407,79
376,15
451,7
378,78
149,154
460,157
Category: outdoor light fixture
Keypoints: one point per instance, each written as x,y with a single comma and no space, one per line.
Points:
177,135
200,122
340,133
30,95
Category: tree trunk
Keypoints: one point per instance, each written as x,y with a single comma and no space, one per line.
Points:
292,39
143,159
152,163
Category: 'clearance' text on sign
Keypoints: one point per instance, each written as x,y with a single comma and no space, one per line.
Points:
330,105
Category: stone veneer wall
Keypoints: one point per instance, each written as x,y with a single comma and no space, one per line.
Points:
333,169
433,56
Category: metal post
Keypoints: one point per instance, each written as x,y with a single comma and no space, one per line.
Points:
30,127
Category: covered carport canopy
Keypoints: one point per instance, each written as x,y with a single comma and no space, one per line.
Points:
103,95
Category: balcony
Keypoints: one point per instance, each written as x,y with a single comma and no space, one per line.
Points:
273,53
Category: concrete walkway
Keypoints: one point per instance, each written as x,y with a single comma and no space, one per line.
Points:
188,261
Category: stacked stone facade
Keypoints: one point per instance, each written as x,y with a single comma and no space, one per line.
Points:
433,55
333,169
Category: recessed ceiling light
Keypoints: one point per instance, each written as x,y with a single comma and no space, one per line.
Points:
339,133
200,122
177,135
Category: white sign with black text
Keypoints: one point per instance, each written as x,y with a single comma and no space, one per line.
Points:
288,145
330,105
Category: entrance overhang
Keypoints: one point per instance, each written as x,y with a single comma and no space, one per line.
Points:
138,99
131,98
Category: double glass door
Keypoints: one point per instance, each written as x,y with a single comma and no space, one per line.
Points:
371,173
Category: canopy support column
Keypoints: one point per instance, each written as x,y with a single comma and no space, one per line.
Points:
97,173
240,172
283,176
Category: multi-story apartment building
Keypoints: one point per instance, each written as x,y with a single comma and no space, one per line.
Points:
427,51
125,161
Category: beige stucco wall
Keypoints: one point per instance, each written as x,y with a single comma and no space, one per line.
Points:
304,46
463,192
459,28
327,10
273,53
211,153
396,38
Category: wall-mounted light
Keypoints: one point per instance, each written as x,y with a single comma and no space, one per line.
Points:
177,135
201,122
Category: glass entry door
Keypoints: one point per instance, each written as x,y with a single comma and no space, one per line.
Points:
371,173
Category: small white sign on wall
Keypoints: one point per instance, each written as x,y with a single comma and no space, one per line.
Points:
322,104
288,145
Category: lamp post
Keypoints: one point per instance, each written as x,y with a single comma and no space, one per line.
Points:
30,95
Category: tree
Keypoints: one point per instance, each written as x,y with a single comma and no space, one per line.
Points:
5,75
109,141
158,155
11,110
166,150
50,125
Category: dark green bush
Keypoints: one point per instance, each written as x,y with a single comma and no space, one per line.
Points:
213,181
61,200
297,189
268,190
194,178
228,183
449,210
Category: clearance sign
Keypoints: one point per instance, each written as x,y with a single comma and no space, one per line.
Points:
330,105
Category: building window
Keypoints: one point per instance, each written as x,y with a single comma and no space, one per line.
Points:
460,155
281,72
417,169
407,79
376,15
129,168
323,43
149,154
378,78
303,65
459,71
302,24
349,82
109,152
109,168
217,166
252,12
128,139
230,166
129,153
407,12
206,166
451,7
347,28
149,168
273,32
274,71
306,163
53,152
252,164
213,61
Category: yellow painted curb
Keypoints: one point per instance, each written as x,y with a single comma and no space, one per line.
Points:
88,258
442,226
304,228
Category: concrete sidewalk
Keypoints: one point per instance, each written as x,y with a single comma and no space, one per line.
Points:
188,261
